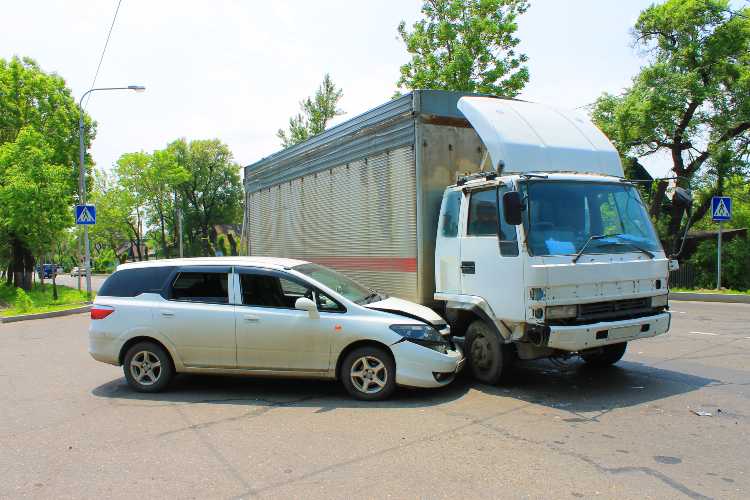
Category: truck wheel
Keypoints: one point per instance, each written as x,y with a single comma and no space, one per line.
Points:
487,356
605,356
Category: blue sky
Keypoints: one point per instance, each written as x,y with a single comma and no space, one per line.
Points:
236,70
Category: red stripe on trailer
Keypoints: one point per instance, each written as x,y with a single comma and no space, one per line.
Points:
397,264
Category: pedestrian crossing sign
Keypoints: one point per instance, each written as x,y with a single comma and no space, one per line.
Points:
85,214
721,208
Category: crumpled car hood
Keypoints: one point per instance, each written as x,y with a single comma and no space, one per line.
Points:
408,309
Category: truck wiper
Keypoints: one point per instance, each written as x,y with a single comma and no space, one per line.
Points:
588,241
621,242
637,247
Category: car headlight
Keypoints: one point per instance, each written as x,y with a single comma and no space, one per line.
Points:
559,312
660,300
424,335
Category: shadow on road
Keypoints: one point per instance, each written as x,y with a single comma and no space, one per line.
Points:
572,387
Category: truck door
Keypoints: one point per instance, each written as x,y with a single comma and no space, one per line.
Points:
490,263
448,244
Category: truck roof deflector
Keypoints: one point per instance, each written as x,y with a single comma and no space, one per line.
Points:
530,137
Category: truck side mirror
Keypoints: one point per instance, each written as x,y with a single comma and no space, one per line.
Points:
512,208
682,198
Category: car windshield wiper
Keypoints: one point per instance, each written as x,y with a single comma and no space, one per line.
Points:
622,241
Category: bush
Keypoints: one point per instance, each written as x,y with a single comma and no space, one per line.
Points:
23,302
735,264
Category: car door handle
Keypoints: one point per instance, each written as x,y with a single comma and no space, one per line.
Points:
251,319
167,313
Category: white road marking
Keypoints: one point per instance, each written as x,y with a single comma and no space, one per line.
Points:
704,333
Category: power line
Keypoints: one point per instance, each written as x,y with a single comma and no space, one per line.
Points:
104,49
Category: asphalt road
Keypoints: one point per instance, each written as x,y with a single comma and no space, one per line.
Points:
72,281
70,427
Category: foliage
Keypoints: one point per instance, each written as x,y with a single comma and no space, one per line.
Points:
316,112
465,45
735,264
691,101
40,299
23,302
105,261
39,146
115,205
212,194
222,244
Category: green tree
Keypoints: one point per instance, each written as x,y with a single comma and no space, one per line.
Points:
465,45
316,112
41,107
691,101
35,199
115,208
212,194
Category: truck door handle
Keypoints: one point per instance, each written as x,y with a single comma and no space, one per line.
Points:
468,267
251,319
167,313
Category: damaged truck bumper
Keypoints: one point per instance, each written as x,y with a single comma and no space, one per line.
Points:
580,337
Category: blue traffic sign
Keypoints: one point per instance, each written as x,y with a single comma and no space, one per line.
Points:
721,208
85,214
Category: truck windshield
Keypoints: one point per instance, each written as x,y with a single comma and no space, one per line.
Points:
342,284
561,217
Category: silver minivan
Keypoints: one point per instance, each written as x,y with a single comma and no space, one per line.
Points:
265,316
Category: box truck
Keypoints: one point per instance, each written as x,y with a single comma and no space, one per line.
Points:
511,219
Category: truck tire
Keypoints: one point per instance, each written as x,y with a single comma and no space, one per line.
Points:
605,356
486,354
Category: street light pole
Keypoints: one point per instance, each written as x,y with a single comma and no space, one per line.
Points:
82,176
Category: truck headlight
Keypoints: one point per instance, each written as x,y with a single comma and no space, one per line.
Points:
424,335
559,312
660,300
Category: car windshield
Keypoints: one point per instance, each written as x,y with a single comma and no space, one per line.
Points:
342,284
561,217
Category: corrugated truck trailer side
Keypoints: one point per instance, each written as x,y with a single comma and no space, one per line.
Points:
364,196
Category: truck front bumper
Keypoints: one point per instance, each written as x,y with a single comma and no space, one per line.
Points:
579,337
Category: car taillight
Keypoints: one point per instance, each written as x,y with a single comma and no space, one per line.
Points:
101,312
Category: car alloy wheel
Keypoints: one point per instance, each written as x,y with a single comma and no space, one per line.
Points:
145,367
369,375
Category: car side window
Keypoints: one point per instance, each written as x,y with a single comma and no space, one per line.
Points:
267,290
201,287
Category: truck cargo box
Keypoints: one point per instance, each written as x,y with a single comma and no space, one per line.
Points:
363,197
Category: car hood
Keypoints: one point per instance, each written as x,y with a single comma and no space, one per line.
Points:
409,309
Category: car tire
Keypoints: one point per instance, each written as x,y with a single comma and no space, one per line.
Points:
148,367
369,373
487,356
605,356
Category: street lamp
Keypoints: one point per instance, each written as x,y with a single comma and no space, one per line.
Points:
82,175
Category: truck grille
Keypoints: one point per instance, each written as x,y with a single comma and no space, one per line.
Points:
613,308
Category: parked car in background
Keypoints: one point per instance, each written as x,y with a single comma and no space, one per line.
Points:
78,271
46,270
265,316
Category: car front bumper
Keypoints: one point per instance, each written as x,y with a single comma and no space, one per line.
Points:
416,365
580,337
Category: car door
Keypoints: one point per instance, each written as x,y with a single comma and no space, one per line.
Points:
198,317
271,333
490,264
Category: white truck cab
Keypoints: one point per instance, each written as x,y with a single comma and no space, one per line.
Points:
553,250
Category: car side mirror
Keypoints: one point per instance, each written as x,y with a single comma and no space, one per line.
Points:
512,208
305,304
682,198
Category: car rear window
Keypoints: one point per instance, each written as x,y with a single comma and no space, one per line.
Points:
132,282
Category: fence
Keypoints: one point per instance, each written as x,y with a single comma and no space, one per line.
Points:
684,277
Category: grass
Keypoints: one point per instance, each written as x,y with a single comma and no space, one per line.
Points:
41,299
710,290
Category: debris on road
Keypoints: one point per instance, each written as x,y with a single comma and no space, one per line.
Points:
702,413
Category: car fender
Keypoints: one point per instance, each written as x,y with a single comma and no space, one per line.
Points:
142,331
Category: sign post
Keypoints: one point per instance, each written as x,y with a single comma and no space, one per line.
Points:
721,210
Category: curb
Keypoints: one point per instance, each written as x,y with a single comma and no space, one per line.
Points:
51,314
711,297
